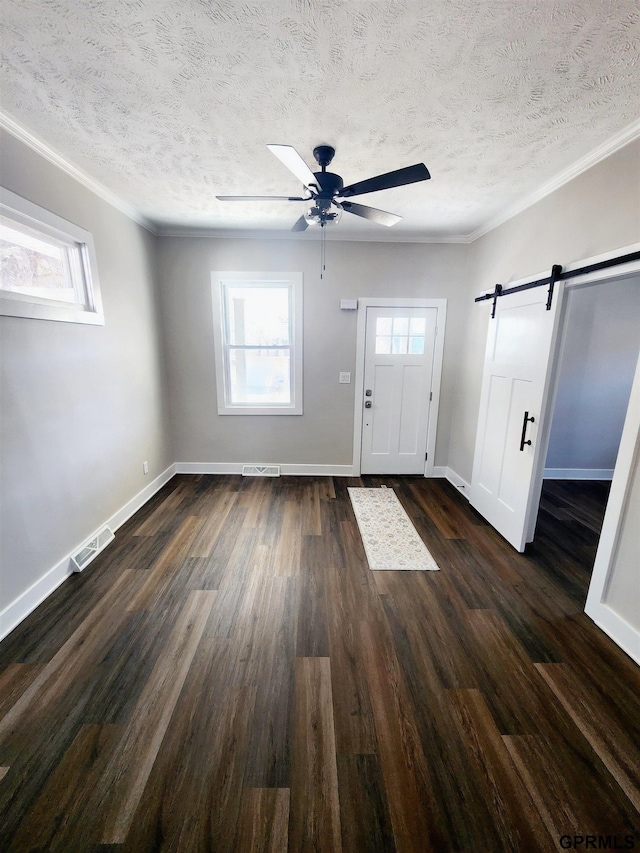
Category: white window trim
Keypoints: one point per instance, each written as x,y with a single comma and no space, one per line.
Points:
294,281
36,308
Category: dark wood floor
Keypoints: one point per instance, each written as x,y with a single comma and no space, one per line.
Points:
229,676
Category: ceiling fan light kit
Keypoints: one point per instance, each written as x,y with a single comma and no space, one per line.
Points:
320,213
326,190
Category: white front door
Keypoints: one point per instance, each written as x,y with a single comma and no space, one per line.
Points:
509,453
398,367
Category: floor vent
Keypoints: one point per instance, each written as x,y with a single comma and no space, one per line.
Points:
91,549
260,470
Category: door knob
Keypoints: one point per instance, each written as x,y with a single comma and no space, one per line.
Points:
367,405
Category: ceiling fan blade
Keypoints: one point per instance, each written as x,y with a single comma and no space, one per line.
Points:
260,198
288,155
399,178
301,224
371,213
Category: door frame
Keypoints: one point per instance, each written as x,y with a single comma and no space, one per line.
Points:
365,302
605,275
596,606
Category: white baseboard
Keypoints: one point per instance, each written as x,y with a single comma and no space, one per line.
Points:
459,482
301,470
319,470
137,502
438,471
578,474
620,631
28,600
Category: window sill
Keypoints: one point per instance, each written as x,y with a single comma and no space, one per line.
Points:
260,410
36,311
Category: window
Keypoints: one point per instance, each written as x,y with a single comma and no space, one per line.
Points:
48,265
258,338
400,335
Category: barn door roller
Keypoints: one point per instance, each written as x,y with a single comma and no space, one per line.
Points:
556,269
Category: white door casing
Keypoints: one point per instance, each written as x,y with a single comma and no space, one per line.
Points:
619,527
400,370
519,358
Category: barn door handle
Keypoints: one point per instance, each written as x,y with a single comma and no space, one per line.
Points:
524,430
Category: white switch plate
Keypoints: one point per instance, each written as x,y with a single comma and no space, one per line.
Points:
345,378
145,467
349,304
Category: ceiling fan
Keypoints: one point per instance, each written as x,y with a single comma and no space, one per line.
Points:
326,193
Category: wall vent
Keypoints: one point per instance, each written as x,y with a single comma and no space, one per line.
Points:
260,470
91,549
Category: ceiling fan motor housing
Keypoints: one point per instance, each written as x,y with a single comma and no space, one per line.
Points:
323,155
330,184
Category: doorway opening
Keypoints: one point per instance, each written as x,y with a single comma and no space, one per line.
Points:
568,529
600,341
599,348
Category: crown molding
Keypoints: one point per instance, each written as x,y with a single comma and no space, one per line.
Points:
628,134
302,236
44,150
615,143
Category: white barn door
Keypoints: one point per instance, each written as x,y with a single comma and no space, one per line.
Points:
512,424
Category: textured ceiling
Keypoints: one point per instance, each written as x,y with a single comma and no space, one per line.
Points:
169,102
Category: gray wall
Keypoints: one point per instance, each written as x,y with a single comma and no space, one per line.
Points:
82,406
324,433
596,212
599,355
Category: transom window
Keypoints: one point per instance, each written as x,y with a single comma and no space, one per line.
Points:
258,324
48,265
400,335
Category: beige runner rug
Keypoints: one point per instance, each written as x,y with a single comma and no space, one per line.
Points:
390,540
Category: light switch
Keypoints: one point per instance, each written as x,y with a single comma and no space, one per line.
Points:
345,378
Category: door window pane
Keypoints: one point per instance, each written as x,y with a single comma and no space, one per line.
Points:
401,326
416,345
384,325
383,344
399,344
400,335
